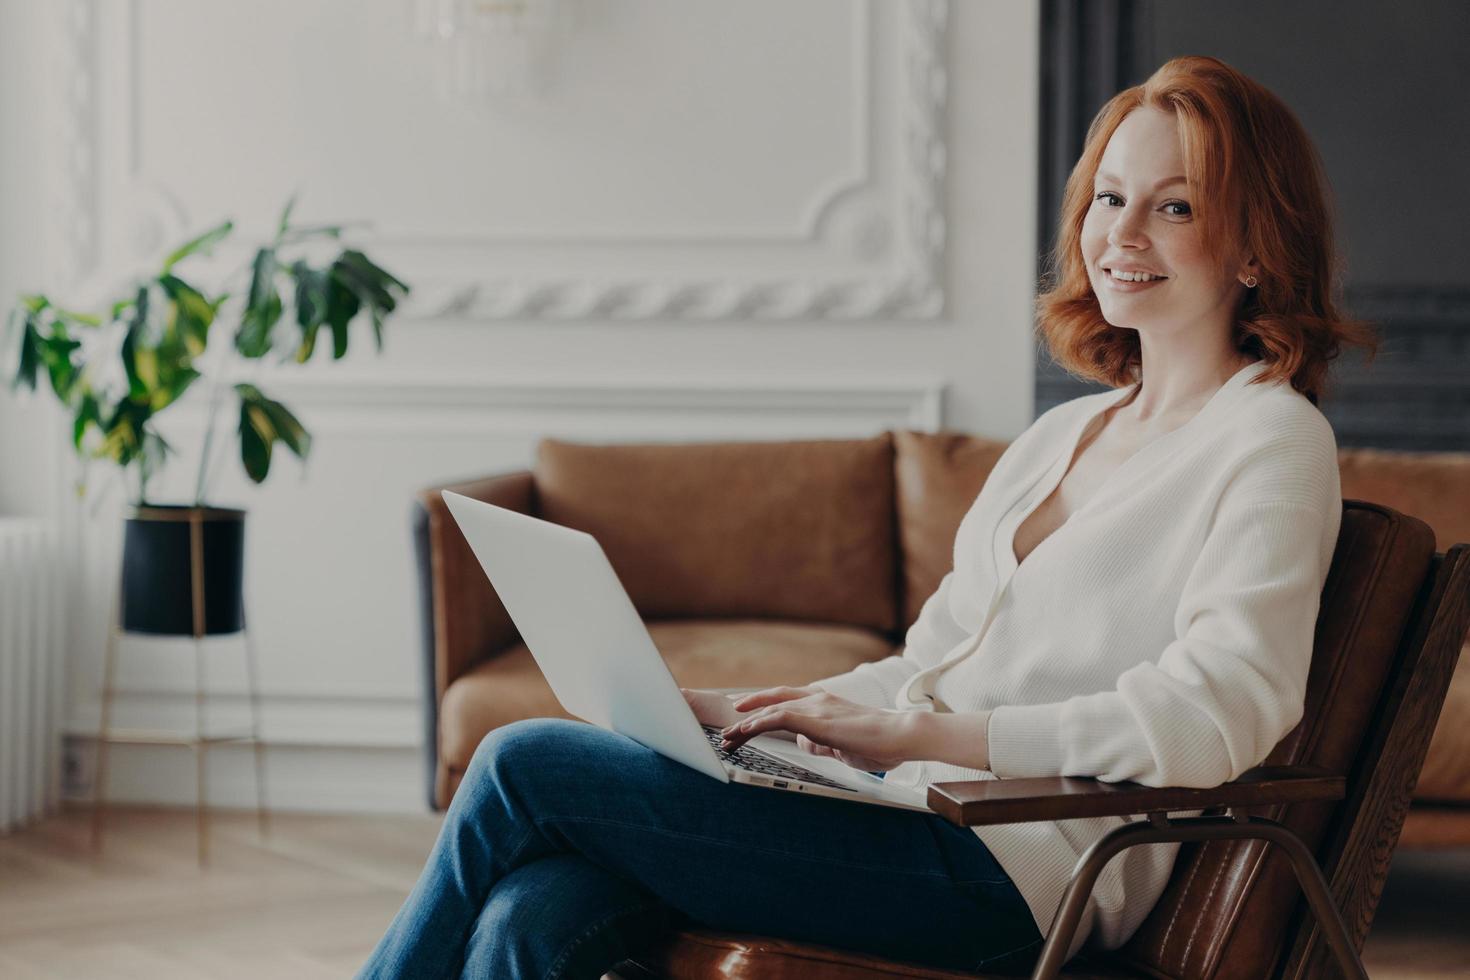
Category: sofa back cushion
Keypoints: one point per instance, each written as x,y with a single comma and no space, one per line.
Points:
937,478
1434,487
800,530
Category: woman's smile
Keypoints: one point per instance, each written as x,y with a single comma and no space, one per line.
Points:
1123,286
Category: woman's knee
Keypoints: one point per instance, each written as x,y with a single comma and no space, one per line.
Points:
531,744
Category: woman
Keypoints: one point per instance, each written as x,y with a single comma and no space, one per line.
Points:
1133,597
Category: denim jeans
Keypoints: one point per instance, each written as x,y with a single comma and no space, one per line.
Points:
568,847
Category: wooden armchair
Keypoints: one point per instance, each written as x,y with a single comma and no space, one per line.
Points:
1331,798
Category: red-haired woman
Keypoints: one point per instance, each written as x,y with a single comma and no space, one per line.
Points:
1133,597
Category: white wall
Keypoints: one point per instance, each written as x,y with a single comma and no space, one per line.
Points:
688,154
27,462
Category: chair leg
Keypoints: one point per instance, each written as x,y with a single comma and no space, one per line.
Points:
1159,829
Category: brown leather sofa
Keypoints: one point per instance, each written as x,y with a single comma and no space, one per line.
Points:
764,563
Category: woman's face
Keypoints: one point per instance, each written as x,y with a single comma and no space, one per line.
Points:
1141,219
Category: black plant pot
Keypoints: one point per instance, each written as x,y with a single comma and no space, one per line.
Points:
161,544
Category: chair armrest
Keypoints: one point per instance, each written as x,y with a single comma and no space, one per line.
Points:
993,801
469,621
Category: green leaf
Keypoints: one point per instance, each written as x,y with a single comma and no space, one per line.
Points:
303,233
377,320
193,314
365,279
308,343
256,437
342,306
89,413
263,423
30,355
152,454
123,432
55,351
203,243
133,344
286,217
74,318
288,429
311,306
262,307
170,391
376,272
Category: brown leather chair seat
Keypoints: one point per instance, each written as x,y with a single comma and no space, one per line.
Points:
715,953
703,653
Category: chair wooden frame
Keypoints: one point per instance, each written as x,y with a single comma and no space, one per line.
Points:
1341,881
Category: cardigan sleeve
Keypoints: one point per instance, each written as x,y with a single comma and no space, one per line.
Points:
877,683
1232,684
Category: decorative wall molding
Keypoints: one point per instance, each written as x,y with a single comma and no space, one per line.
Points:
365,401
909,286
75,167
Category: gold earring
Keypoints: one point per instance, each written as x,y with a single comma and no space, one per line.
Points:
1250,282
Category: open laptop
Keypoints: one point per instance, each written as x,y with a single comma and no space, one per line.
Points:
580,626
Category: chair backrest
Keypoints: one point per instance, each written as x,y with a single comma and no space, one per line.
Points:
1232,908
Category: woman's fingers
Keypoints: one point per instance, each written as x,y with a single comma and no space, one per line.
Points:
771,695
815,748
767,718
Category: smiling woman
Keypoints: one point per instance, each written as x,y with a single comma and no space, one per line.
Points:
1198,200
1162,635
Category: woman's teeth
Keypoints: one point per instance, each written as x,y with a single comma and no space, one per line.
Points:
1134,276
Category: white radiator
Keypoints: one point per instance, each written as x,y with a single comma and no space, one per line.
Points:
30,671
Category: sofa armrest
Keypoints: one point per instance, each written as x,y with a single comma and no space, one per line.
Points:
994,801
469,623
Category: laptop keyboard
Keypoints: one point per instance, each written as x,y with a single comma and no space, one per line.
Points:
755,761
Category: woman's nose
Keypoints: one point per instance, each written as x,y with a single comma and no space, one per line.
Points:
1127,228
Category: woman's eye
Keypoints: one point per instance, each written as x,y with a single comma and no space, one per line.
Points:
1186,212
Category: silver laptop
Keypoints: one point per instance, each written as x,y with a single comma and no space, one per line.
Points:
580,626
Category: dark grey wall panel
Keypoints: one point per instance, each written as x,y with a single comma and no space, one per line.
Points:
1384,89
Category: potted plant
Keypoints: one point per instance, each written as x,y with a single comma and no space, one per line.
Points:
116,370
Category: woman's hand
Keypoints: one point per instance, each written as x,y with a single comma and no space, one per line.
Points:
718,709
870,739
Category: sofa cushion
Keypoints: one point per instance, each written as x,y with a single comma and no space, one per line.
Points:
1446,773
1434,487
937,478
798,530
700,653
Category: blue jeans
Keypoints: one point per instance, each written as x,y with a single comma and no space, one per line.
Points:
568,847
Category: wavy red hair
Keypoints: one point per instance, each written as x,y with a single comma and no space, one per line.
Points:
1256,183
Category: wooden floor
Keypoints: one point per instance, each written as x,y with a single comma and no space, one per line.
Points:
312,900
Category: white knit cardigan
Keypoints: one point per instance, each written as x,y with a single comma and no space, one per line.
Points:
1162,634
